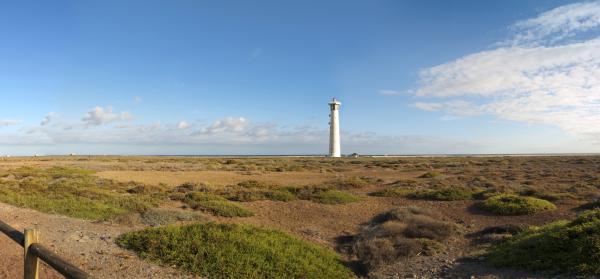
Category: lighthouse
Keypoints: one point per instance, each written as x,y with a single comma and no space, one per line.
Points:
334,129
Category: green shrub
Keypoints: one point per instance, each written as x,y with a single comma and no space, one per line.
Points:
161,217
215,205
191,187
322,194
445,194
234,251
75,192
334,197
395,192
243,195
507,204
546,195
280,195
572,247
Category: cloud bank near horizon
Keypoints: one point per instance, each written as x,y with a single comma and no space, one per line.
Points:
548,72
105,126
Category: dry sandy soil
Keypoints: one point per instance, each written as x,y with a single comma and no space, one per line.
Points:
86,244
91,246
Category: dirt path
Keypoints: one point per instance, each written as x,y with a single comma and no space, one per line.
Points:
86,244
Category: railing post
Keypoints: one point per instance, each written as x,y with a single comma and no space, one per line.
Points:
31,261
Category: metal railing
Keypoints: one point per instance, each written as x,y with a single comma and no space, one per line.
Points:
34,251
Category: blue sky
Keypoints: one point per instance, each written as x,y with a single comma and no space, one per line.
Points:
254,77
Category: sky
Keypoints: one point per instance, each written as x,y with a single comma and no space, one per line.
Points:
200,77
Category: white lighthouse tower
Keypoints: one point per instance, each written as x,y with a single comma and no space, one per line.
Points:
334,129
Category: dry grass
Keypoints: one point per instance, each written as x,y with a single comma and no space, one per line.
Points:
401,233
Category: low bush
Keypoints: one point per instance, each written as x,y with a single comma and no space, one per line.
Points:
507,204
248,184
445,194
215,205
252,190
353,183
322,194
249,195
75,193
234,251
400,233
395,192
546,195
191,187
161,217
280,195
334,197
570,247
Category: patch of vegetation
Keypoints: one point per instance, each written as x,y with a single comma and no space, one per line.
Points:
161,217
334,197
215,205
191,187
248,193
395,192
322,194
445,194
353,183
495,234
589,205
401,233
430,174
546,195
234,251
252,190
75,192
570,247
507,204
249,184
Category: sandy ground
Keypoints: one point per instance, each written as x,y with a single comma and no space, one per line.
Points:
85,244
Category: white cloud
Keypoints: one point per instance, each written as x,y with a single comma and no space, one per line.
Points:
227,125
137,99
555,84
99,116
183,125
8,122
557,24
47,119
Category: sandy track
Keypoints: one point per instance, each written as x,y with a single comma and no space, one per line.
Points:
86,244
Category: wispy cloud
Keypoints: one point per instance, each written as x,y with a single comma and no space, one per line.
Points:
48,118
538,79
557,24
183,125
8,122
